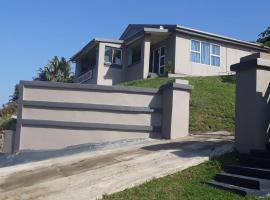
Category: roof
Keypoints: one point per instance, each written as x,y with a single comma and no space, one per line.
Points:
91,44
134,29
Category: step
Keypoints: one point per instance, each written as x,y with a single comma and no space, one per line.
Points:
243,181
260,153
239,190
256,162
248,171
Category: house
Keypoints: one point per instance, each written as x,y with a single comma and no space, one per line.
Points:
144,50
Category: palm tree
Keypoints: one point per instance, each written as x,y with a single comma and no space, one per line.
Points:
57,70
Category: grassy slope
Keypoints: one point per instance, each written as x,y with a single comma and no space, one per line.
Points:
188,184
212,101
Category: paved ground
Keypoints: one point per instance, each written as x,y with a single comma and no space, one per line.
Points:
89,175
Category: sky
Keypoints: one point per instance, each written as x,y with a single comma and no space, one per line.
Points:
32,31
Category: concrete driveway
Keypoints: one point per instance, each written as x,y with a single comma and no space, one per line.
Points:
89,175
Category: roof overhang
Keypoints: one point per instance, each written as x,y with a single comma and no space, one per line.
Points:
220,38
91,45
150,31
158,28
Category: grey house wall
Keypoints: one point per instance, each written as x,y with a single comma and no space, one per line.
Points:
169,44
230,54
58,115
108,75
133,71
177,53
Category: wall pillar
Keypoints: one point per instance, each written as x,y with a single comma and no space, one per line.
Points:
175,109
100,62
146,55
252,122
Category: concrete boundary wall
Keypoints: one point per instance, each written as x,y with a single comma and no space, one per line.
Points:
252,122
59,115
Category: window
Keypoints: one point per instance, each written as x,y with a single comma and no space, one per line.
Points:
113,55
134,55
205,53
215,55
195,51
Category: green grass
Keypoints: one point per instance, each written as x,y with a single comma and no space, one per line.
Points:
212,101
186,185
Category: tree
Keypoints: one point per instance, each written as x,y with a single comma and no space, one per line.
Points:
15,96
57,70
264,37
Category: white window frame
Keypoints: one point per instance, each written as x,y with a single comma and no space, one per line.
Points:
211,54
193,51
113,48
200,52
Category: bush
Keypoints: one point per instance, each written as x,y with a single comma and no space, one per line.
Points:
7,123
6,120
9,109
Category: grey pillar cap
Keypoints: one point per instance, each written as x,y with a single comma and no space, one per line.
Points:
256,60
177,84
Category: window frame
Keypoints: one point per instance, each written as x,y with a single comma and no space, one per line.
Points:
200,52
215,55
210,49
113,52
194,51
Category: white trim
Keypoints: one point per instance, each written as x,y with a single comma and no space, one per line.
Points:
200,52
215,55
193,51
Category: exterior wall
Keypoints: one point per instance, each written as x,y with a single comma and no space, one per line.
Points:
177,54
140,70
58,115
134,71
108,75
169,45
229,55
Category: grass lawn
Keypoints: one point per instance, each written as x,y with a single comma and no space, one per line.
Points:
212,101
188,184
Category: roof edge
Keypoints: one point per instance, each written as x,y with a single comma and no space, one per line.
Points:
228,39
92,43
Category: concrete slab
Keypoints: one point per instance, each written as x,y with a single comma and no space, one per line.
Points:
89,175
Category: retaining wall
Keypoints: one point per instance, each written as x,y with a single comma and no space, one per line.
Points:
58,115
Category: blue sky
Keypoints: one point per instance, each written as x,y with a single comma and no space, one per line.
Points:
32,32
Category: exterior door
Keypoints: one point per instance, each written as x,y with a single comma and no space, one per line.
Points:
158,60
